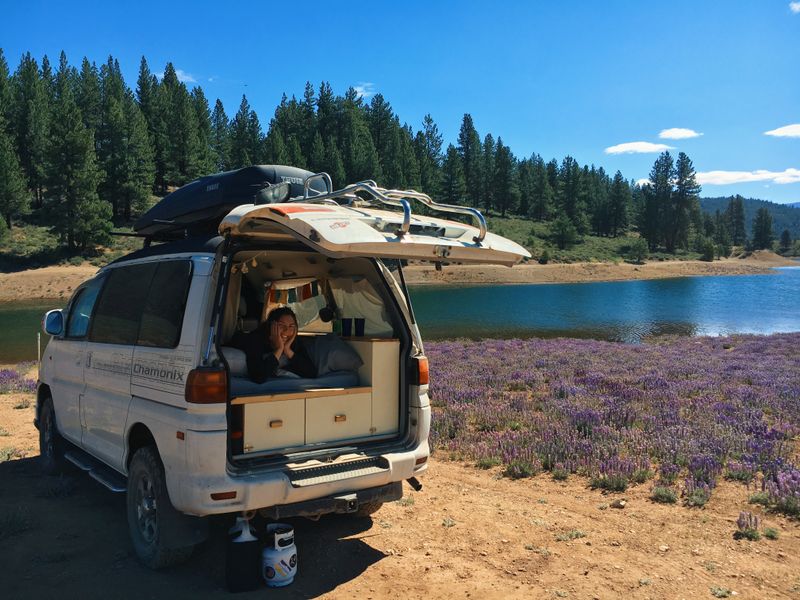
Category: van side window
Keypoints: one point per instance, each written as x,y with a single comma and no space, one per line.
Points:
81,312
163,311
119,309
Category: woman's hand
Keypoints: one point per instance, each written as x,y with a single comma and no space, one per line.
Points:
287,344
275,340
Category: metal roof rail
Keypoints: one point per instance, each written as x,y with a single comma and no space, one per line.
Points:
395,198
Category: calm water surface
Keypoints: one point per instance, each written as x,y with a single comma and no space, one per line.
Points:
623,311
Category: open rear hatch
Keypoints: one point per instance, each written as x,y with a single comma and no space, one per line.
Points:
345,231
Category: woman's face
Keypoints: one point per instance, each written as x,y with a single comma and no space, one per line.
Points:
287,327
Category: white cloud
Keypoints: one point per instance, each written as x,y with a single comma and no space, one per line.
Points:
365,89
788,130
637,148
729,177
678,133
182,75
794,7
641,182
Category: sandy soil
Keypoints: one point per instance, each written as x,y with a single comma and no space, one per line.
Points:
758,262
46,283
467,534
60,281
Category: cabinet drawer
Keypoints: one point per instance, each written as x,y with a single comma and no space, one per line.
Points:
271,425
334,418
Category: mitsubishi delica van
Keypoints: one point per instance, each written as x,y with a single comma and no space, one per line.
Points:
142,386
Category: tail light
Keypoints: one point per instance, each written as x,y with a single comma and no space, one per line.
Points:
207,386
419,375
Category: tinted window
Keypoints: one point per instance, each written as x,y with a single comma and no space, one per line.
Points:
81,311
119,309
166,302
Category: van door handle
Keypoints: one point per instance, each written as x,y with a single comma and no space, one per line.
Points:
275,424
340,418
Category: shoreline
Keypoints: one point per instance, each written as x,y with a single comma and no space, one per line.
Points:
759,263
58,282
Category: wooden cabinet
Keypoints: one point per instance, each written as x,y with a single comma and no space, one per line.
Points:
311,417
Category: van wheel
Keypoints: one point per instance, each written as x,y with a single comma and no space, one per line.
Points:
151,514
51,444
368,508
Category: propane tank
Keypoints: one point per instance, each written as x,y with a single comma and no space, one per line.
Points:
279,557
242,558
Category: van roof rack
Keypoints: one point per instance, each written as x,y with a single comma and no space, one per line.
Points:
387,197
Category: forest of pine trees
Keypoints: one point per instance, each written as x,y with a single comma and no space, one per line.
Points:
81,145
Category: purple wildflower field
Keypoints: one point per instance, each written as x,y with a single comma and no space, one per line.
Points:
682,411
14,380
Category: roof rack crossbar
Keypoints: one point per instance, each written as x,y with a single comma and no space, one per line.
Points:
396,198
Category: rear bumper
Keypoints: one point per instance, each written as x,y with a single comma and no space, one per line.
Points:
347,503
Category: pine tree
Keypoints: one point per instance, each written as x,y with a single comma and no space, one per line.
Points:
383,128
682,203
619,200
506,193
295,153
408,160
525,184
220,138
762,229
736,224
309,112
88,95
469,149
453,186
316,160
148,97
657,198
571,194
139,164
542,194
327,112
428,148
182,153
361,159
786,240
82,219
205,153
334,165
246,139
5,93
30,121
275,152
14,197
485,180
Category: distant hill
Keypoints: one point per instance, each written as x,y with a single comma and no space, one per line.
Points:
784,216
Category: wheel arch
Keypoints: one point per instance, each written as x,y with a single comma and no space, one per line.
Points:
42,392
139,436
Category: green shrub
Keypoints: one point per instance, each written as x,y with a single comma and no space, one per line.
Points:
519,468
664,495
638,251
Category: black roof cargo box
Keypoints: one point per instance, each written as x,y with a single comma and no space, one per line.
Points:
198,207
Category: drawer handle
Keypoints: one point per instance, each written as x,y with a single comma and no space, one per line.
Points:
340,418
275,424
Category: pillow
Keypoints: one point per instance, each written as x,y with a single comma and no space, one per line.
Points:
237,361
330,353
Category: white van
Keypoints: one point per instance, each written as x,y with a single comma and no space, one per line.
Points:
141,385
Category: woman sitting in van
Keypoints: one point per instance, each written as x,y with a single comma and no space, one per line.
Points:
274,350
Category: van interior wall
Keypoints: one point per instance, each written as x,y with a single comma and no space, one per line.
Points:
355,283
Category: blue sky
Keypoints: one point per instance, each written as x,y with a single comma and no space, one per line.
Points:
598,80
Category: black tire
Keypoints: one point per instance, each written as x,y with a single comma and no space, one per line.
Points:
51,445
151,516
368,508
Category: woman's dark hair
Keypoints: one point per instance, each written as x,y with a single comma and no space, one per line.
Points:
276,313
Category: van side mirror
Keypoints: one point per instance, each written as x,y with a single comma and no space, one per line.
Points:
53,322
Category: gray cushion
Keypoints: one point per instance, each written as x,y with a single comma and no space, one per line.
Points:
242,386
330,353
237,361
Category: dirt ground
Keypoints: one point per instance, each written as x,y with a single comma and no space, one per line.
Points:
758,262
60,281
467,534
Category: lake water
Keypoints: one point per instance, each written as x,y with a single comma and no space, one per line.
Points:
622,310
625,311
